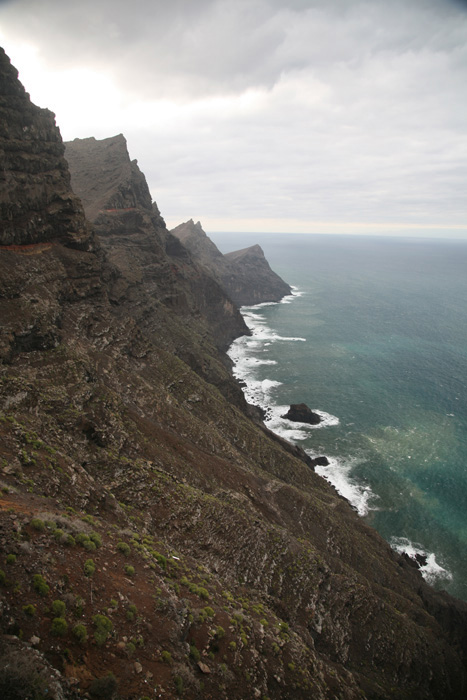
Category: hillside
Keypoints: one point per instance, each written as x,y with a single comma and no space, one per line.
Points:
150,527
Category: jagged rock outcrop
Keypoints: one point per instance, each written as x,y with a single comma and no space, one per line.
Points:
116,198
244,274
147,524
36,201
301,413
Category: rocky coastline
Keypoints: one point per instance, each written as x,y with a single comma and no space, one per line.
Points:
156,540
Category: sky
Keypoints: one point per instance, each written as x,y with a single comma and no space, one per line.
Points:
305,116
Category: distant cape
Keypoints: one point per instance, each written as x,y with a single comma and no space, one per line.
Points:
245,275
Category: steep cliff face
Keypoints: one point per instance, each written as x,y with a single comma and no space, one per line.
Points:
244,274
150,529
36,201
132,232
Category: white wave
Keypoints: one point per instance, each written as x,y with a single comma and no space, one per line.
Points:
431,571
338,473
293,295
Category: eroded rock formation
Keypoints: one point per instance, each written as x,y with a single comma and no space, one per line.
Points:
244,274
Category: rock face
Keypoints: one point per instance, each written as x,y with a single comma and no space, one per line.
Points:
36,201
301,413
244,274
171,528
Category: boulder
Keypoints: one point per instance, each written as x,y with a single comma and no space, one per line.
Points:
300,413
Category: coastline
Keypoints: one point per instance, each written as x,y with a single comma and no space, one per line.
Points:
248,354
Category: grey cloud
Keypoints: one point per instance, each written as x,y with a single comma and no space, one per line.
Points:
358,106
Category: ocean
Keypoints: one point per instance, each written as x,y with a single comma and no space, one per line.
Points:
374,339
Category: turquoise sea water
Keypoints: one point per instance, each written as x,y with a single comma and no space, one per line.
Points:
375,339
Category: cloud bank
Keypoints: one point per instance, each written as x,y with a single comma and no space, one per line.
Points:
298,115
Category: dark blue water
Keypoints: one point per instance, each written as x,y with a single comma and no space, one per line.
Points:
376,342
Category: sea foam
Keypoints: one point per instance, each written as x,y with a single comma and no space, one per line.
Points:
431,571
338,473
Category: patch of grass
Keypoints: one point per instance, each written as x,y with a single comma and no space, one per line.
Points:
129,570
11,558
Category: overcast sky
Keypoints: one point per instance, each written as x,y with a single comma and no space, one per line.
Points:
265,115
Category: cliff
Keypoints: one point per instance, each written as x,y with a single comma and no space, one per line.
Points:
245,274
149,529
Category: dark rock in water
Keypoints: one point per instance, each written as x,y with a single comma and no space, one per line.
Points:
320,462
421,560
300,413
409,560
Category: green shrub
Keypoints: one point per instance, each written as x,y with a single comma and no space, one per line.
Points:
194,652
70,541
78,606
103,687
80,633
40,584
103,626
124,548
130,570
130,648
11,558
209,611
58,534
220,632
89,567
131,612
37,524
166,657
59,626
29,610
2,578
89,545
203,593
58,608
96,538
81,538
161,560
178,684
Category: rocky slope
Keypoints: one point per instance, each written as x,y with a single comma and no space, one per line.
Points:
149,529
245,274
